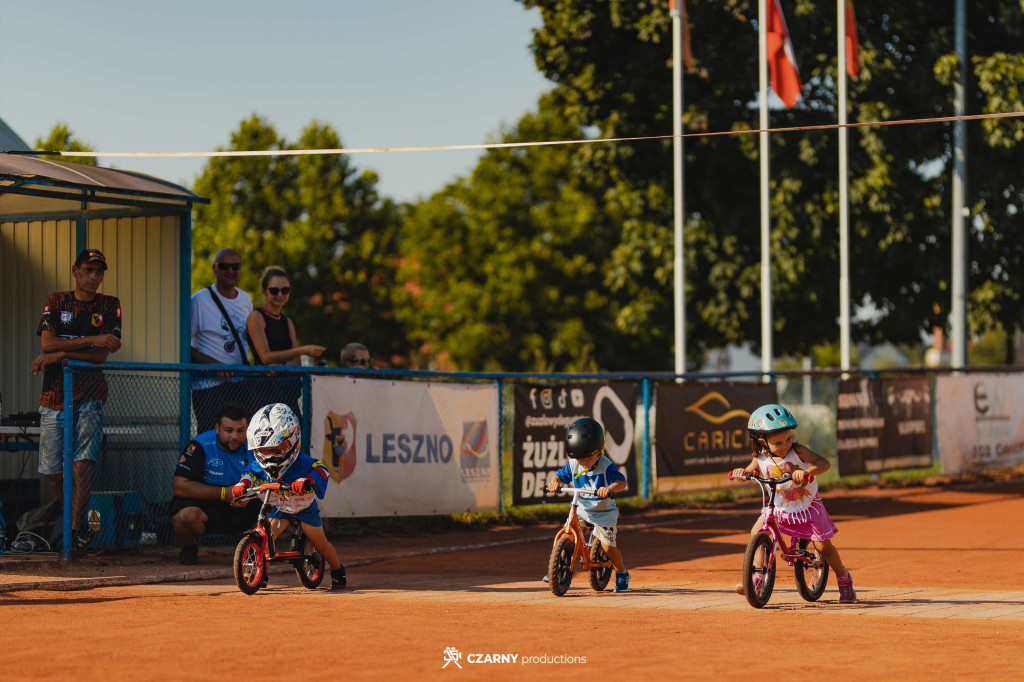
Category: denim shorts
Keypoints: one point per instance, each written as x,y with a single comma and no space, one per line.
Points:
88,434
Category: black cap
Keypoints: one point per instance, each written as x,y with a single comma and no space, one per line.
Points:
91,256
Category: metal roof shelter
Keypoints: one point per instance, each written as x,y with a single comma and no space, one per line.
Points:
51,210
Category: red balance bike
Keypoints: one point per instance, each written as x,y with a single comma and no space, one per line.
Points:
258,548
575,551
759,559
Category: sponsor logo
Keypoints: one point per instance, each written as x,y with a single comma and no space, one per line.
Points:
215,463
96,320
417,448
65,316
191,448
473,451
717,438
339,451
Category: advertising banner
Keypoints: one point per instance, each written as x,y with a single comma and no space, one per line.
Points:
541,417
701,432
405,447
883,424
978,421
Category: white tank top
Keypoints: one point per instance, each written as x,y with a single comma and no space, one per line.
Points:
790,499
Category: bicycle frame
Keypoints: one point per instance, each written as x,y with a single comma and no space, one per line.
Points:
791,553
263,529
581,543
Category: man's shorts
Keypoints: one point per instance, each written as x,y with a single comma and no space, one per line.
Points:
88,432
606,534
221,517
310,515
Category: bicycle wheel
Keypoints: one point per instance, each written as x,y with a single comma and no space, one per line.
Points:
599,577
759,551
811,578
311,568
560,565
250,566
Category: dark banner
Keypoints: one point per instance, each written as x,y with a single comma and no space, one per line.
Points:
541,417
702,428
883,424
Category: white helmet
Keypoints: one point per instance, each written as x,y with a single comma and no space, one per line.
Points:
274,436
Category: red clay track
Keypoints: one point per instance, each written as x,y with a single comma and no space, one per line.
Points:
938,572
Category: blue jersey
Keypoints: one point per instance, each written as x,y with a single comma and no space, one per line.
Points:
593,509
288,502
203,460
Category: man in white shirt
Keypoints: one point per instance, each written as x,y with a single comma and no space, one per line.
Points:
219,313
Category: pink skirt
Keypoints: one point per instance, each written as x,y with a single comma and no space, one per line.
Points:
812,523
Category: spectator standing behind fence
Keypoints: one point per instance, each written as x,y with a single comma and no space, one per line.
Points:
219,312
76,325
209,465
356,355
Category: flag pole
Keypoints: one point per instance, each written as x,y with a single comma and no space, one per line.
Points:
766,265
958,357
677,186
844,200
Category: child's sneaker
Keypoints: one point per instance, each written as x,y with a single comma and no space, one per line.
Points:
846,592
758,579
338,579
622,582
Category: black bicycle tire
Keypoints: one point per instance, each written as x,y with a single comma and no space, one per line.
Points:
249,551
310,558
756,598
600,576
810,592
560,566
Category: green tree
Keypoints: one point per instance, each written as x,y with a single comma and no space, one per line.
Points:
610,61
62,139
318,218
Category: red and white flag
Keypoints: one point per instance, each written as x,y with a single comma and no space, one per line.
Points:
781,59
685,22
852,44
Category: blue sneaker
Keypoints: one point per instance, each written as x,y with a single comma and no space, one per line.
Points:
622,582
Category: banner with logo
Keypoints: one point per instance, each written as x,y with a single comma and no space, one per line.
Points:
541,417
883,424
405,447
978,421
701,432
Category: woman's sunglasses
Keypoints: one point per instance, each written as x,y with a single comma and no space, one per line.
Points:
274,291
360,362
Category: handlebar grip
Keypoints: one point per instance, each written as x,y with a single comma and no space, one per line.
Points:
275,487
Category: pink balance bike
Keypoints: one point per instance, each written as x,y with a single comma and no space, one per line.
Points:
759,559
575,550
258,548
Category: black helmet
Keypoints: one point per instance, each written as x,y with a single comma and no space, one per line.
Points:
583,438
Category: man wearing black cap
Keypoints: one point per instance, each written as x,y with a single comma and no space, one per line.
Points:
76,325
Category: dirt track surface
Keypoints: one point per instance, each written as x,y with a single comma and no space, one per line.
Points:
938,573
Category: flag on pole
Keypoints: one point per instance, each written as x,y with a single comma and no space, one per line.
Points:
852,44
684,20
781,58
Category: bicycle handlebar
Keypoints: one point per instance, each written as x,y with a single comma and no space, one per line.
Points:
588,491
261,488
767,481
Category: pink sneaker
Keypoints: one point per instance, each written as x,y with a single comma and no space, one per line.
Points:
846,592
758,579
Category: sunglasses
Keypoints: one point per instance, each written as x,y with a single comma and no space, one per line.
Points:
274,291
229,266
360,362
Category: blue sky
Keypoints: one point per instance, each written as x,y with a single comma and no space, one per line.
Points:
128,75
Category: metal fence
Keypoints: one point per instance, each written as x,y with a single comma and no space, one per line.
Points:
152,411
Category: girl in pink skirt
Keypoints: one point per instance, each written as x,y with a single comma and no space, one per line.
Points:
798,508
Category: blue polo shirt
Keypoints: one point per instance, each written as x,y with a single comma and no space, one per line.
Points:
203,460
593,509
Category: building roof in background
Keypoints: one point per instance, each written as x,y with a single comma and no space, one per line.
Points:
9,140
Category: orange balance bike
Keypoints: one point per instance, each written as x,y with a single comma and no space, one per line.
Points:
759,559
258,548
575,550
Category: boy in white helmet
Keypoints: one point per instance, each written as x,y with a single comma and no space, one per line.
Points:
274,436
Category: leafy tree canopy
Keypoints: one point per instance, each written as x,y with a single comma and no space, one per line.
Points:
62,139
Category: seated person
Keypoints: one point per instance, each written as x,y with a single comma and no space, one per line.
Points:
209,465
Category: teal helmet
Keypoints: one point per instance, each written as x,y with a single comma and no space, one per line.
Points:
769,419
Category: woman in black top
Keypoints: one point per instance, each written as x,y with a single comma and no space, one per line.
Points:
271,333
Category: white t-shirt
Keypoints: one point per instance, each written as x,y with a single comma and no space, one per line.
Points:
211,334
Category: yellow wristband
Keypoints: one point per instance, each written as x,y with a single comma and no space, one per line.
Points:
223,493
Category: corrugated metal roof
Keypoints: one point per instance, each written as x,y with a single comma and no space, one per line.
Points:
24,180
9,140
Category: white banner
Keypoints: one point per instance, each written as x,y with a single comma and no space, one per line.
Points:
406,448
978,421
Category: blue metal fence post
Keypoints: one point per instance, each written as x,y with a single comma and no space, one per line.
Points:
69,444
307,409
645,486
185,325
501,442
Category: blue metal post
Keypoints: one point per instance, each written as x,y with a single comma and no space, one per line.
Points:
69,444
185,325
307,410
645,484
501,441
